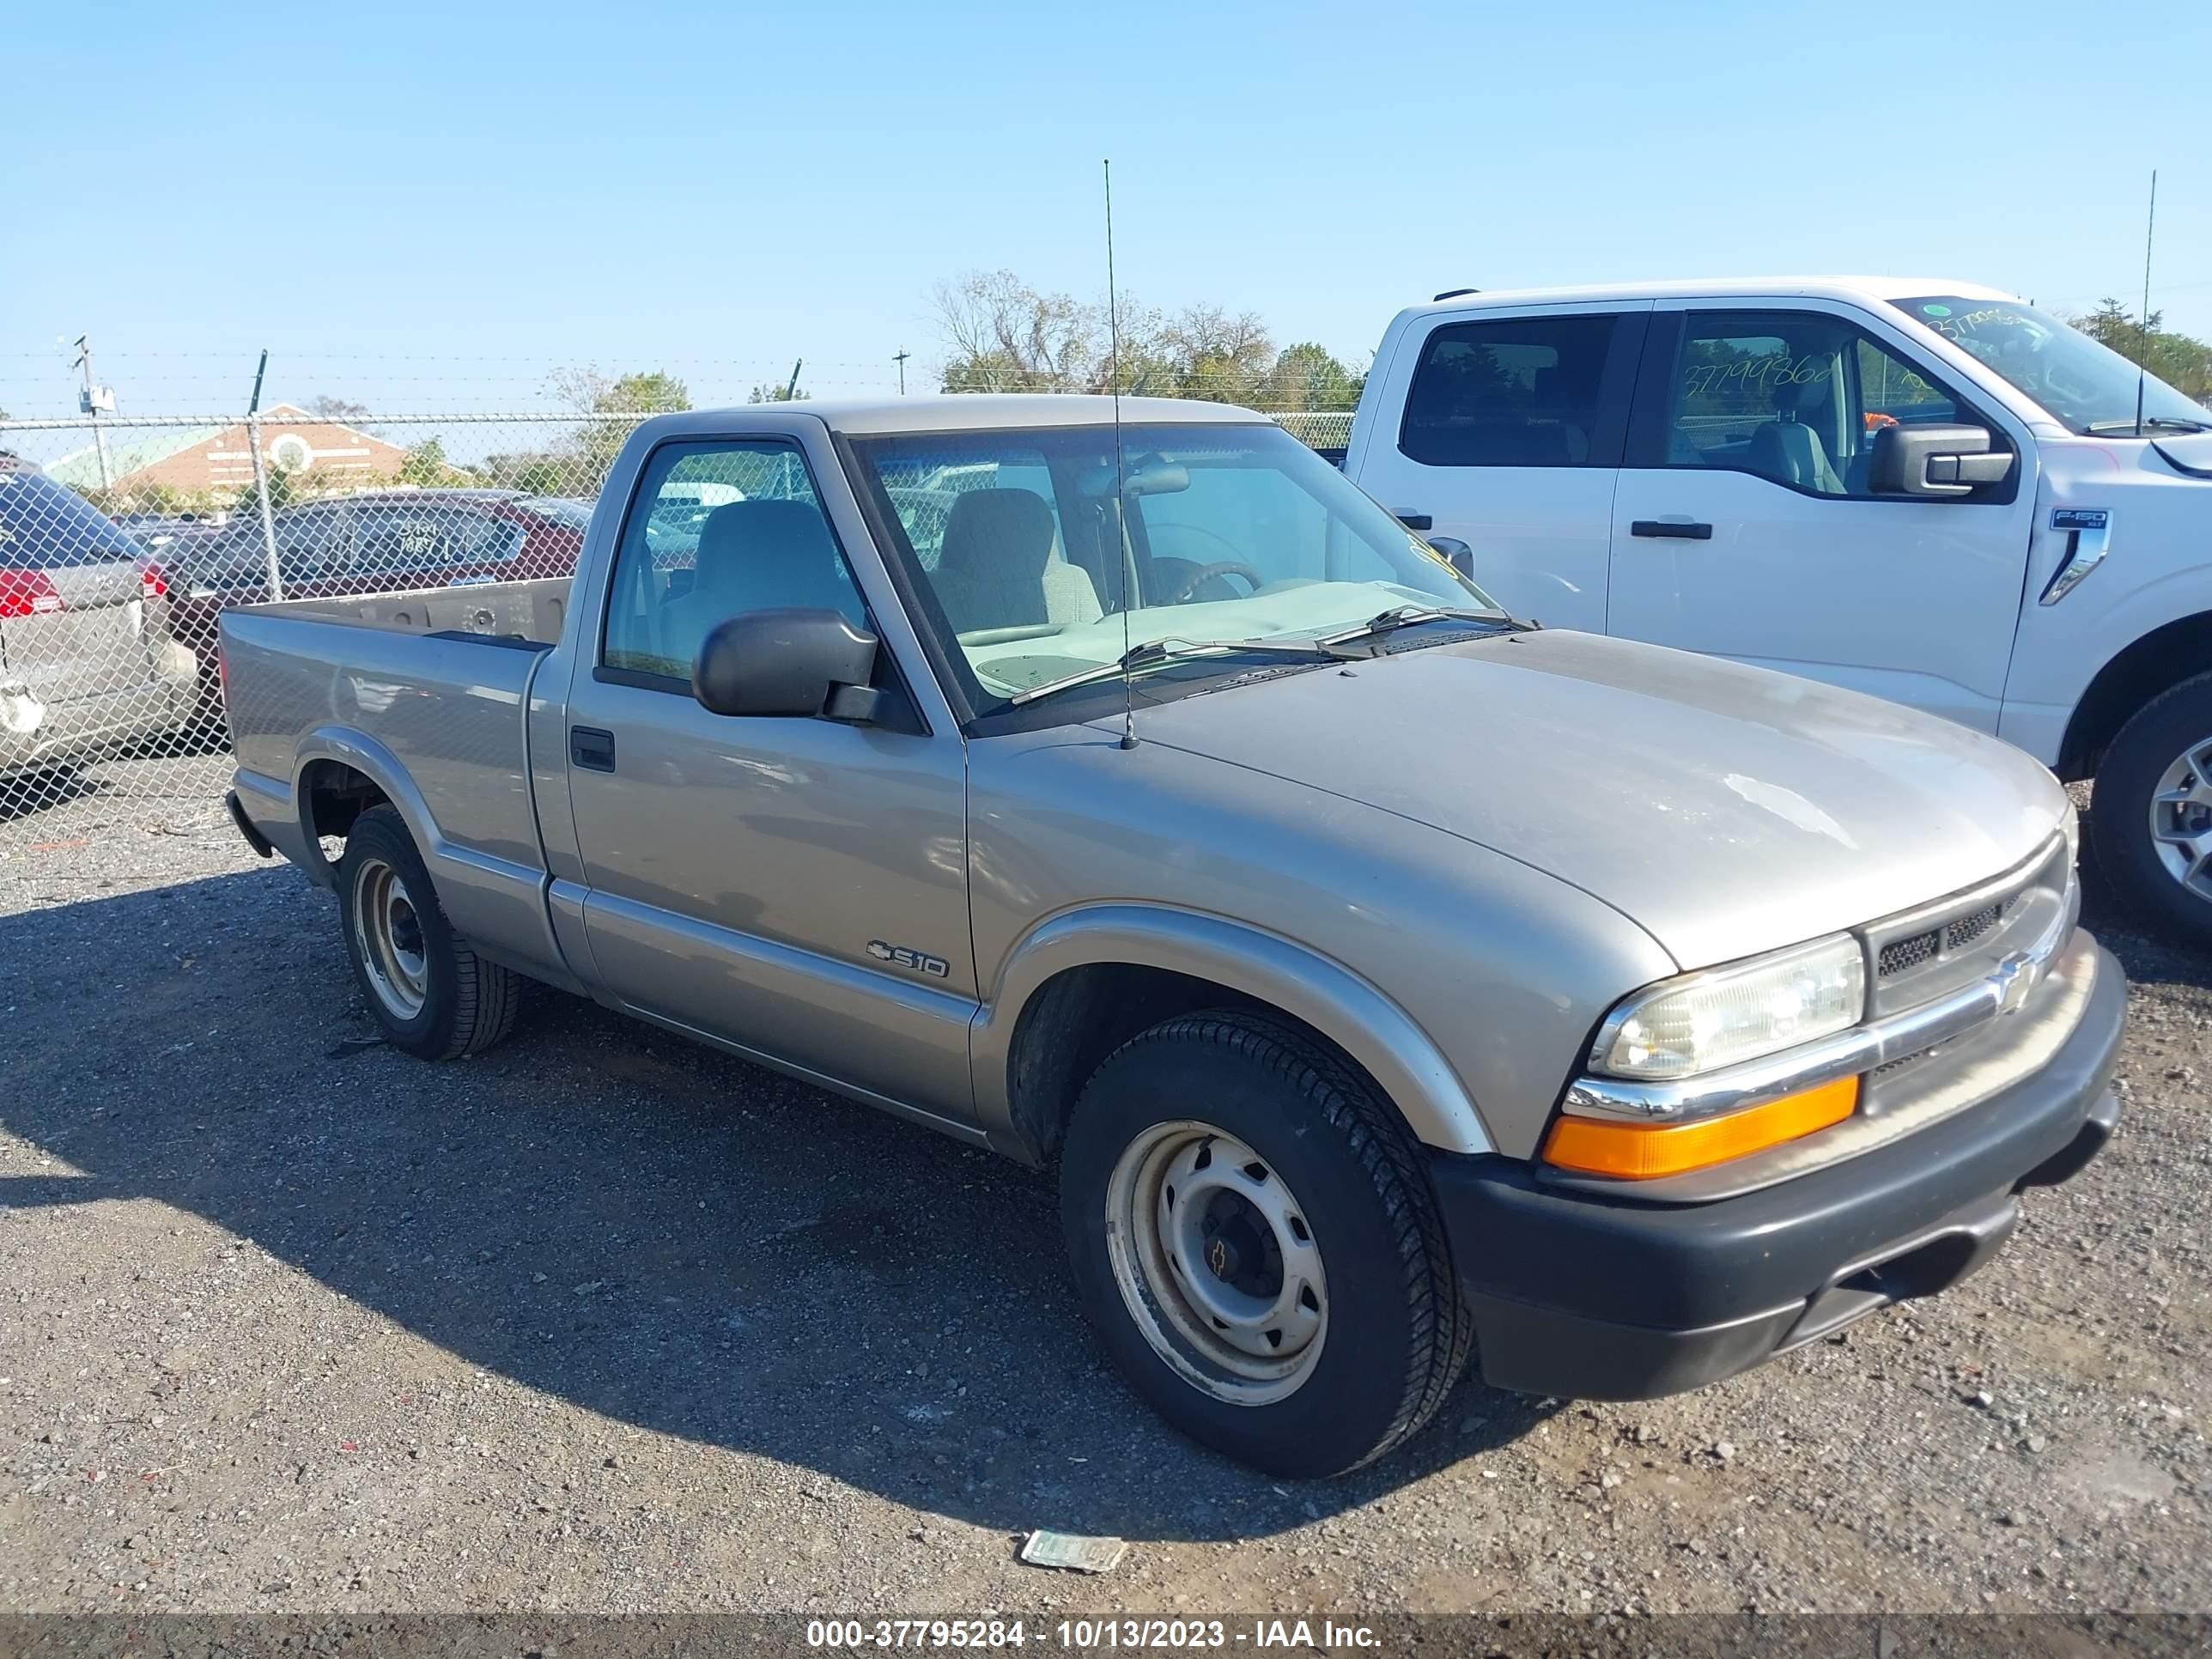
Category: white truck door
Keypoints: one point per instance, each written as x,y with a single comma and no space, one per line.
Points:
1745,524
1504,428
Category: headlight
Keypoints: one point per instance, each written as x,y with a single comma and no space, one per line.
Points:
1704,1021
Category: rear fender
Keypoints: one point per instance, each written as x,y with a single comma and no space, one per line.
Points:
497,905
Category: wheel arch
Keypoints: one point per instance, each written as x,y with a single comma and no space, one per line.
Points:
339,773
1082,982
2154,661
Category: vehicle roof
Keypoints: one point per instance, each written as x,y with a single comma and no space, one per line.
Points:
1722,287
971,411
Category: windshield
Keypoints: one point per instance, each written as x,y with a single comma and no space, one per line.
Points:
1220,533
2083,385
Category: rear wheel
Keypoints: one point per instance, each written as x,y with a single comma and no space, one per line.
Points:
1257,1241
436,998
2151,819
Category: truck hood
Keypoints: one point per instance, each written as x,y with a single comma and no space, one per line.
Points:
1725,808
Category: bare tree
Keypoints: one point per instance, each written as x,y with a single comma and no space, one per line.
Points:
1002,335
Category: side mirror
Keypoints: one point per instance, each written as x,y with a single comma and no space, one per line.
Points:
1457,554
1935,460
796,663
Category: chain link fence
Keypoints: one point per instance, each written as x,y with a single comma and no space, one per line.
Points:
123,539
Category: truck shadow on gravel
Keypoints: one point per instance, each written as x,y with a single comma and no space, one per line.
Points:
638,1226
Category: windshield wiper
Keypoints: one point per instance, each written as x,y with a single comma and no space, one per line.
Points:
1154,652
2163,423
1404,616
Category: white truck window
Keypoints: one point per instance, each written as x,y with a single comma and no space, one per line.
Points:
1794,397
1519,392
718,530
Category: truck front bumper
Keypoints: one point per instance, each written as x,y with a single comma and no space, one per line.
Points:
1596,1296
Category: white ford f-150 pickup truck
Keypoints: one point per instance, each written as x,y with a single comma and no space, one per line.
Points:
1909,486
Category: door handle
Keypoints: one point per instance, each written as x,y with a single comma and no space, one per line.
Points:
1666,530
1413,521
592,749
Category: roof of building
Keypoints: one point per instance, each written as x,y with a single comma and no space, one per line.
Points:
129,449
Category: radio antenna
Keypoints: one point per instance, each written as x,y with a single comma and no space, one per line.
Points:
1120,479
2142,320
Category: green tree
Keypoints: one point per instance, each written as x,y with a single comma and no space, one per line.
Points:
605,403
2182,362
426,466
653,393
1307,376
539,473
249,498
770,392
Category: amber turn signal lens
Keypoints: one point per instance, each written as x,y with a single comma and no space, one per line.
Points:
1639,1152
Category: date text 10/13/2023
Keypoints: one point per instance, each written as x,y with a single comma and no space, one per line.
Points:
1086,1635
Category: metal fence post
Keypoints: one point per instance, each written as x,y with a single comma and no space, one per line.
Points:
261,479
268,522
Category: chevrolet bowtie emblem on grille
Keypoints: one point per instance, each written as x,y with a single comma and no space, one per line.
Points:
2014,978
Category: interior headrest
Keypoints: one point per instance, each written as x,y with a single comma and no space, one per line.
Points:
998,528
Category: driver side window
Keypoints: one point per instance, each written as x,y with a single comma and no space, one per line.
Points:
718,530
1796,397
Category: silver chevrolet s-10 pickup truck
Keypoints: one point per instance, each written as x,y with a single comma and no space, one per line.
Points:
1387,978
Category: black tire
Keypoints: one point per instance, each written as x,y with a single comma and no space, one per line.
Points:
1396,1334
467,1003
2154,739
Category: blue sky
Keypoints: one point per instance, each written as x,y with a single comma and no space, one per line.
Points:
432,205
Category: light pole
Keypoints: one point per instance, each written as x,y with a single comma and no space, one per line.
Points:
93,400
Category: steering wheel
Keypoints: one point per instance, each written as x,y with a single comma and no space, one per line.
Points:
1205,573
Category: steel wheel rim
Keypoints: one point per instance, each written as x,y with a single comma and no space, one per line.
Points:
1216,1263
389,930
2181,819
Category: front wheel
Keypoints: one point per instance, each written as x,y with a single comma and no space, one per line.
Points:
1258,1246
434,997
2151,819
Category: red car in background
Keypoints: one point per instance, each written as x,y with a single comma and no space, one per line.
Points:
384,542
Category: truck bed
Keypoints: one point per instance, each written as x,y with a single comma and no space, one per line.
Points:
528,610
427,695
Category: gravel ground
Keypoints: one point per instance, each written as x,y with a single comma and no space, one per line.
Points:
605,1322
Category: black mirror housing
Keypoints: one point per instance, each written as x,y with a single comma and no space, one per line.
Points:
1937,461
797,664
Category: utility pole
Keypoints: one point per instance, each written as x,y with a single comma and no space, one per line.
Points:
900,359
93,400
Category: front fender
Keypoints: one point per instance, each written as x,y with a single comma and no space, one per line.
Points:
1342,1006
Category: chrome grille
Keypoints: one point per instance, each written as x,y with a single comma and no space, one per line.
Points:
1958,934
1932,950
1899,956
